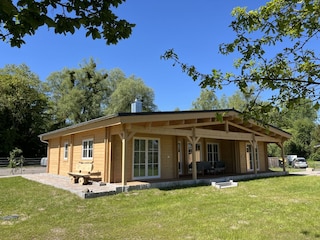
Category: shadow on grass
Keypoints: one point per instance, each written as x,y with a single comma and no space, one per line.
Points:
177,187
308,234
204,184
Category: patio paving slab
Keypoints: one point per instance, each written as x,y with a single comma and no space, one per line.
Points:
85,191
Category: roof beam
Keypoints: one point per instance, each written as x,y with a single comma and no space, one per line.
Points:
194,124
203,133
246,129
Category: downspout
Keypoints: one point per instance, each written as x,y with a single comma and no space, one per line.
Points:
45,142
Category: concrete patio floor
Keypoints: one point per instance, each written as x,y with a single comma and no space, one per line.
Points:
97,189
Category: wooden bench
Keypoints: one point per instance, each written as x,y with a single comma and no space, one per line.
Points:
83,173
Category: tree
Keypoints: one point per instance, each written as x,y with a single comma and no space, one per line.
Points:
285,118
23,111
77,95
315,144
126,92
241,101
207,101
300,122
115,76
24,17
291,70
301,138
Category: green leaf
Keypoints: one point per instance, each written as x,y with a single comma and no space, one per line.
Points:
95,33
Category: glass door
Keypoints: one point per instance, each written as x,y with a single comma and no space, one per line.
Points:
249,157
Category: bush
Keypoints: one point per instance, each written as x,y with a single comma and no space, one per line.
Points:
315,156
16,158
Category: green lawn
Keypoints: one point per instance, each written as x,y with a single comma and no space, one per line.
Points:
274,208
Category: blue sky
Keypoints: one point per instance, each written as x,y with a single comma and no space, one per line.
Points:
193,28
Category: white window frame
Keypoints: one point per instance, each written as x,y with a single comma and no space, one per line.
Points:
213,153
66,151
249,145
146,176
86,152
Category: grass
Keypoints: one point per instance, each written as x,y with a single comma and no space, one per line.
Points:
274,208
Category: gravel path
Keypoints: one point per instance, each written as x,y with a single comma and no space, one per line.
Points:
8,172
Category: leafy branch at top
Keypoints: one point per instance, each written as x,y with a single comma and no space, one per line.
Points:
24,17
276,46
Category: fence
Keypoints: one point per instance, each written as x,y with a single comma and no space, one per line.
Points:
273,162
27,161
315,165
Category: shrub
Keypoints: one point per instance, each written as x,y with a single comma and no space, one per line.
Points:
16,158
315,156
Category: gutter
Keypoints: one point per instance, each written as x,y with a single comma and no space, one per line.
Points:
43,141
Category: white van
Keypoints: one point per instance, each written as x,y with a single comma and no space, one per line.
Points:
290,159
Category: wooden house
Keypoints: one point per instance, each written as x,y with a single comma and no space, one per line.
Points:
162,145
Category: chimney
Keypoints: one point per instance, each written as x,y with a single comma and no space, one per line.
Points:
136,106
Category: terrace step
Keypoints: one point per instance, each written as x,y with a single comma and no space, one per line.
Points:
228,184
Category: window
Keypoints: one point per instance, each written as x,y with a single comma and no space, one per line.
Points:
249,156
213,153
65,155
87,149
146,162
198,152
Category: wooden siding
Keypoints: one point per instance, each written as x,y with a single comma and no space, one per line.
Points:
116,159
59,165
99,151
263,156
243,159
227,154
64,163
54,145
168,157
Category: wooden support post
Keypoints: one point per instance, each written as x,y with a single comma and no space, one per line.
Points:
124,156
282,155
125,137
106,165
194,141
70,157
226,126
254,157
59,156
194,163
110,163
